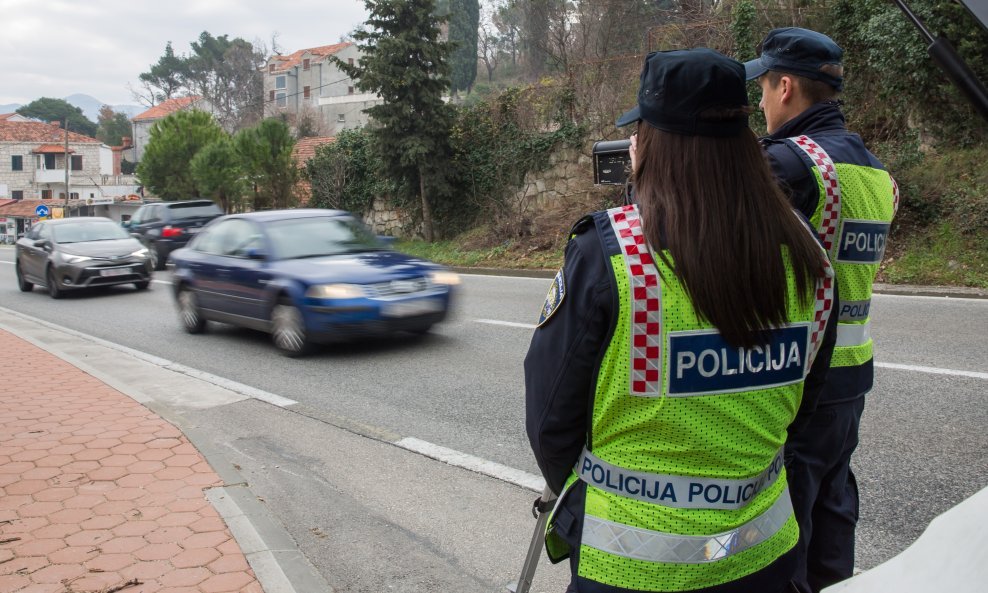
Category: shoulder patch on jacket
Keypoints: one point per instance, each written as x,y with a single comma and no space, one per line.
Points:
581,226
554,298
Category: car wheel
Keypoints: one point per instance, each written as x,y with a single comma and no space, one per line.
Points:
53,290
157,260
143,284
188,311
22,284
421,330
288,329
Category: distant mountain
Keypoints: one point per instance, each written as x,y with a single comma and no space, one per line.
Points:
10,107
90,106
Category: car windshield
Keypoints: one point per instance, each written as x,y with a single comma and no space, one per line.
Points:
96,230
194,210
318,236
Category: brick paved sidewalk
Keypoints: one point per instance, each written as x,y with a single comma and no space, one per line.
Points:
99,494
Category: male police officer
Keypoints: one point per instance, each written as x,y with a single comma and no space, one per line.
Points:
850,199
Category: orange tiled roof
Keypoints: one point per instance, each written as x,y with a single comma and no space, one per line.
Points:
305,148
4,116
295,59
4,202
50,149
166,108
25,208
37,132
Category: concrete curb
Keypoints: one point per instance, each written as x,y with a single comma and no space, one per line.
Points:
957,292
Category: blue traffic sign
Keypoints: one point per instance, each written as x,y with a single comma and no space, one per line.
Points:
42,211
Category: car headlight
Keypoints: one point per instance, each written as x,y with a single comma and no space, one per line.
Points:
446,278
142,252
74,259
335,291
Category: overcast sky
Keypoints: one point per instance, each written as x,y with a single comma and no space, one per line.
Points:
57,48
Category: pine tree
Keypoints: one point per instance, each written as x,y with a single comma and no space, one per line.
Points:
464,21
405,63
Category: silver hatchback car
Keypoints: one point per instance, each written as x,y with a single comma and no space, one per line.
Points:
70,253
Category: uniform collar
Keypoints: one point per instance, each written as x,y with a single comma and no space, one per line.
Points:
821,117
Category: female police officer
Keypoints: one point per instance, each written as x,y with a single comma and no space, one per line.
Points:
673,351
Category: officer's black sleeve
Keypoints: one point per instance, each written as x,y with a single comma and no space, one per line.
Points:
818,372
794,177
561,363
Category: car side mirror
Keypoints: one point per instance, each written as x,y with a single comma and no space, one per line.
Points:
256,254
40,242
125,224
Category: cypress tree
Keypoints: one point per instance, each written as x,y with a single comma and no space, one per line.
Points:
406,63
464,21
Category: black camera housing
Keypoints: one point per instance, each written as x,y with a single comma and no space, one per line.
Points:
611,162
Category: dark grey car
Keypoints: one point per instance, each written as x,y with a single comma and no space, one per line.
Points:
72,253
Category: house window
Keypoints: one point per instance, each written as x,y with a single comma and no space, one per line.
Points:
305,92
305,63
49,161
17,194
46,194
16,163
73,196
270,68
349,61
282,100
271,96
349,90
281,82
77,162
341,118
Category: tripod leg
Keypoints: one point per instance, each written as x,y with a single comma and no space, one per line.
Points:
535,547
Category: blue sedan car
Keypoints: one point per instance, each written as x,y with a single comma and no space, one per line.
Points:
305,276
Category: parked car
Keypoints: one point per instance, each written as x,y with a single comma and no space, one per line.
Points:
70,253
166,226
306,276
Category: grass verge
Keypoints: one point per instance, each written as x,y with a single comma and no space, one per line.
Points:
938,256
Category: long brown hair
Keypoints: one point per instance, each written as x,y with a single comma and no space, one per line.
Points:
714,204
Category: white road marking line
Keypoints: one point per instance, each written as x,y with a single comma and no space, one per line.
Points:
162,282
475,464
9,263
931,370
927,297
252,392
507,323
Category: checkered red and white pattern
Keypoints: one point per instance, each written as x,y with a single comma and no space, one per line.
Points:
895,196
822,310
646,305
831,208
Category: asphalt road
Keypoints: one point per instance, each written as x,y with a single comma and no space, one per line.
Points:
923,449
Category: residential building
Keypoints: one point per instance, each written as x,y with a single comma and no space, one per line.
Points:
33,160
142,123
307,83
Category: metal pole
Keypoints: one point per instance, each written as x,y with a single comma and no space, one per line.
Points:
66,206
535,547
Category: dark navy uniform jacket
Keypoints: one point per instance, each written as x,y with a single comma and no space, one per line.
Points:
825,124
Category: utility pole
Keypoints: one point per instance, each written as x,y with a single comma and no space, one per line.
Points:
67,163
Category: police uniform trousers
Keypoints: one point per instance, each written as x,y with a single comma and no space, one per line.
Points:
774,578
825,493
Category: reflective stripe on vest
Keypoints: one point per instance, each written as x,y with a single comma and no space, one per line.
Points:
646,302
853,334
681,492
655,546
